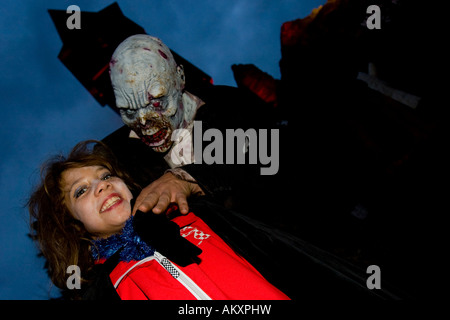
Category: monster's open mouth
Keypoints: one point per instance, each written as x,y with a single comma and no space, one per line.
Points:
157,138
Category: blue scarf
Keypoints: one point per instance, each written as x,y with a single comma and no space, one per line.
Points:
134,248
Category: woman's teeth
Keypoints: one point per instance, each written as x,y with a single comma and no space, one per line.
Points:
109,203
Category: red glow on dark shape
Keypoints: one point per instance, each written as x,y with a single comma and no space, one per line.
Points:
93,91
98,74
260,83
291,32
264,88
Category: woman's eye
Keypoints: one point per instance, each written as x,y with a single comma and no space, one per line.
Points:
79,192
106,176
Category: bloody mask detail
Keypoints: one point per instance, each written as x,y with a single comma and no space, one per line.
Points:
148,86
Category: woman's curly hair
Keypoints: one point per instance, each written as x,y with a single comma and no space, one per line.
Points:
62,239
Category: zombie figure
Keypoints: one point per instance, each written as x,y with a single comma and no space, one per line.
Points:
149,89
148,85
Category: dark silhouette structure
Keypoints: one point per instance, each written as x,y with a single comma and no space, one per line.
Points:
86,52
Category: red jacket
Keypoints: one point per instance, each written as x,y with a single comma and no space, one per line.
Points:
220,275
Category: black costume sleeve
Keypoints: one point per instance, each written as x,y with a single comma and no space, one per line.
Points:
298,268
230,108
164,236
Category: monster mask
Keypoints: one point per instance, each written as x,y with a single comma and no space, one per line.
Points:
148,86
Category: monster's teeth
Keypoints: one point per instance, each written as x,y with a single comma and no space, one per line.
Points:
149,132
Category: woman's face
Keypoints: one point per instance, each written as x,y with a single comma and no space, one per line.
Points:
96,198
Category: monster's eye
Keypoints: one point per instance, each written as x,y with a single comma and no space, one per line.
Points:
129,113
159,103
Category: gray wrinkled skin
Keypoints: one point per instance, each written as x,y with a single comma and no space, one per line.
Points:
148,86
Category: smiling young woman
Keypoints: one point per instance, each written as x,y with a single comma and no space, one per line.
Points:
98,199
57,223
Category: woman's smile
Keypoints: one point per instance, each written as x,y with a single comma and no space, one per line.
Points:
111,202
